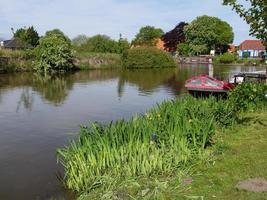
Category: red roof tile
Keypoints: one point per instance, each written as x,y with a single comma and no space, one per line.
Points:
252,44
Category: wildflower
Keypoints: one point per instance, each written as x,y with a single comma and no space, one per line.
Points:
190,120
158,115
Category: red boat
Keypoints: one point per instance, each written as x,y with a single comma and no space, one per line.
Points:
205,85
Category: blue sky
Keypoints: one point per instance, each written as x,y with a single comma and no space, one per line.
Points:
111,17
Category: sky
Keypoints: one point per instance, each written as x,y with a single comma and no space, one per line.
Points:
111,17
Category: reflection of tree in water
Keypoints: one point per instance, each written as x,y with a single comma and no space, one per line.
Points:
26,99
147,80
54,89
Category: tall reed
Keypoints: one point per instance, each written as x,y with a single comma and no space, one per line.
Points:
161,141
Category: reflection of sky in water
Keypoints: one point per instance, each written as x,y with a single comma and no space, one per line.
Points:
38,115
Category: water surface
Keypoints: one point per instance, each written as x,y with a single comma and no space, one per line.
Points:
40,114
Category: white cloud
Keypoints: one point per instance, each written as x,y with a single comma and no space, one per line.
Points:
110,17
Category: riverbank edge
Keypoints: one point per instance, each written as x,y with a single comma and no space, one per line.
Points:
205,179
178,179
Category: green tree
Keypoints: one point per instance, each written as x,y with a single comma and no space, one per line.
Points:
79,40
206,33
100,44
255,14
183,49
53,53
123,45
59,33
28,35
147,36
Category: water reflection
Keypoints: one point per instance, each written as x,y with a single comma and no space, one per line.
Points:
55,89
26,99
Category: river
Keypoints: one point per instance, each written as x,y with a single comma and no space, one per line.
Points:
39,114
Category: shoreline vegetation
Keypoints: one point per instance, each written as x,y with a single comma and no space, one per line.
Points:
150,155
23,61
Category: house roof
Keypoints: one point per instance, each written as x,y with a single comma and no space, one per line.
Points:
16,43
252,45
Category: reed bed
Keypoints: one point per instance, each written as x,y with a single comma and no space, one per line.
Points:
166,139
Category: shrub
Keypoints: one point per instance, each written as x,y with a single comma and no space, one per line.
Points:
227,58
53,53
147,57
248,96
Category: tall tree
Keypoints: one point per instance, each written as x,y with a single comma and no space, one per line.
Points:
100,44
254,12
59,33
28,35
123,45
174,37
147,36
79,40
206,33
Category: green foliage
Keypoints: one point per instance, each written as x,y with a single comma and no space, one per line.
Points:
183,49
59,33
255,15
147,57
123,45
159,142
54,53
227,58
28,35
19,60
207,33
104,44
79,40
147,36
89,60
248,96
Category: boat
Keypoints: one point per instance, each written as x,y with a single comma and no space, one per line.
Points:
205,85
257,76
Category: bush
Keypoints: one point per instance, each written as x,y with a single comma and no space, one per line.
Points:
54,53
248,96
101,44
227,58
147,57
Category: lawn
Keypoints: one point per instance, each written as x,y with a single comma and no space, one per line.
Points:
243,156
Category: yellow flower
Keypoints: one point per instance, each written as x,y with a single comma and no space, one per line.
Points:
190,120
158,115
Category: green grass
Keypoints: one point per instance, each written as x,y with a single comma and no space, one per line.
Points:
18,60
244,156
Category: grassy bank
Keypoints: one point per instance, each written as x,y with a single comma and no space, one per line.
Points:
16,60
143,157
233,59
239,154
243,153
